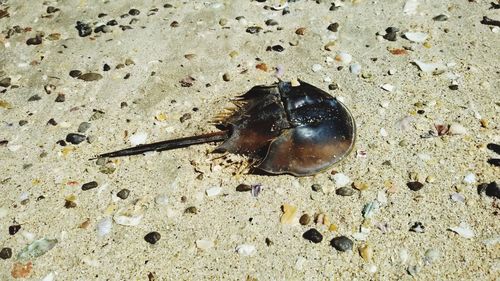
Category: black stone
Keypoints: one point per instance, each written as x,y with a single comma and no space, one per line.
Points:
243,187
316,187
34,98
166,6
152,237
13,229
101,15
112,23
391,29
100,28
417,227
5,253
37,40
345,191
490,189
134,12
440,17
254,29
391,36
106,67
415,185
277,48
453,87
84,29
313,235
271,22
89,185
23,122
5,82
342,243
52,122
61,142
75,73
51,9
60,98
75,138
334,27
123,194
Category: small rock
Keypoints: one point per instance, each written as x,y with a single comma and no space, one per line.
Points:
288,215
37,40
204,244
341,179
469,178
84,29
213,191
417,37
334,27
104,226
355,68
388,87
123,194
305,219
51,9
226,77
245,249
243,188
75,138
313,235
490,189
5,82
134,12
392,36
271,22
5,253
300,31
191,210
417,227
90,77
316,67
253,29
343,57
415,185
277,48
345,191
440,17
35,98
13,229
83,127
60,97
463,230
89,185
152,237
317,187
75,73
342,243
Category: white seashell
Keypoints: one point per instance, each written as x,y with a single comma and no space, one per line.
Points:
457,197
418,37
383,132
204,244
429,67
355,68
14,147
463,230
343,57
359,236
388,87
213,191
316,67
104,226
341,180
403,256
410,7
457,129
138,138
128,220
245,249
49,277
470,178
161,199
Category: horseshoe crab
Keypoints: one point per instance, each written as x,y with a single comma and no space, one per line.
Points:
286,128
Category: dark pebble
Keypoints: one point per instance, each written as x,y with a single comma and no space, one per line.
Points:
453,87
112,23
269,242
417,227
392,36
286,11
51,9
345,191
313,235
123,194
191,210
440,18
184,117
34,98
100,28
490,189
134,12
13,229
277,48
333,86
106,67
174,24
90,77
167,6
37,40
5,82
152,237
316,187
243,188
84,29
415,185
75,138
101,15
75,73
342,243
83,127
23,122
89,185
60,98
254,29
52,122
334,27
5,253
391,29
68,204
61,142
305,219
271,22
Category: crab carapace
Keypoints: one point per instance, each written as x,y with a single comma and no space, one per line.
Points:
286,128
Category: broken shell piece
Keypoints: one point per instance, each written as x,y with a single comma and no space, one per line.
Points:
366,252
245,249
138,138
204,244
388,87
341,179
457,129
104,226
213,191
130,216
410,7
418,37
37,248
288,215
430,67
463,230
343,57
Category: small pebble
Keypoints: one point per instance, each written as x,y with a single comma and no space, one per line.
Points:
277,48
300,31
305,219
152,237
463,230
83,127
90,77
254,29
490,189
123,194
75,138
334,27
341,179
35,98
134,12
316,67
391,36
60,97
271,22
5,82
415,185
112,23
355,68
245,249
84,29
440,17
341,243
75,73
51,9
5,253
191,210
243,188
388,87
453,87
213,191
317,187
313,235
13,229
37,40
345,191
469,178
226,77
89,185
